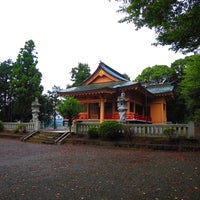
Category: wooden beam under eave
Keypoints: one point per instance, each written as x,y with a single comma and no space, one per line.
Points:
94,93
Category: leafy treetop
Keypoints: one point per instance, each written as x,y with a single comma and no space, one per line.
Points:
70,109
79,74
176,22
155,74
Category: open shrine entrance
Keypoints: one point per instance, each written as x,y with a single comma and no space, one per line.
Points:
94,110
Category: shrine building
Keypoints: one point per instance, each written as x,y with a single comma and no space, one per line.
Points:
98,94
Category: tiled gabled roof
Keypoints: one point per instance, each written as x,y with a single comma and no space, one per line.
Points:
98,86
112,72
160,88
108,70
122,83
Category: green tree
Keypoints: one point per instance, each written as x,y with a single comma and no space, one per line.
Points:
126,76
79,74
190,86
5,95
25,83
181,107
178,67
175,22
155,74
46,110
177,106
49,102
70,109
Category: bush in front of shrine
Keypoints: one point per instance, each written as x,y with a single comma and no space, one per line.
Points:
93,132
110,130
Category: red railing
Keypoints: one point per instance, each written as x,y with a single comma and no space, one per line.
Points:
135,116
129,117
111,116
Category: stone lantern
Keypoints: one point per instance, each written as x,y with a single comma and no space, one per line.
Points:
122,106
35,109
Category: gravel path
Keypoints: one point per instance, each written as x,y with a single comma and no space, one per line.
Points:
47,172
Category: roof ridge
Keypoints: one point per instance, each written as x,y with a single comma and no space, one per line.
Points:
121,76
107,69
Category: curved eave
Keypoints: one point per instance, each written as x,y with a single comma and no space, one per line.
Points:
166,94
85,93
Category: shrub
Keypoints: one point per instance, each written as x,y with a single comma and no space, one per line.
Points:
110,130
93,132
1,126
20,128
169,132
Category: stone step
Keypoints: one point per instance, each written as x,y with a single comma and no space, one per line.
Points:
45,137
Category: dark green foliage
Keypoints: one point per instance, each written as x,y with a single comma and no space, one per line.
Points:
190,85
46,109
176,23
25,83
49,103
178,67
176,107
79,74
197,117
5,94
110,130
93,132
155,74
126,76
1,126
19,85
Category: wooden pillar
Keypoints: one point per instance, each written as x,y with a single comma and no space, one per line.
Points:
101,110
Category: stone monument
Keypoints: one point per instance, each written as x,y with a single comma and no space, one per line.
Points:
122,106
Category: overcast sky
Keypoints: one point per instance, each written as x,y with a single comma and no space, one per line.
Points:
68,32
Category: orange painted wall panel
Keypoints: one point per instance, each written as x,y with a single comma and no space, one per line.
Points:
158,111
103,79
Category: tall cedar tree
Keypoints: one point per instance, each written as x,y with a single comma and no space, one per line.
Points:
5,96
25,83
